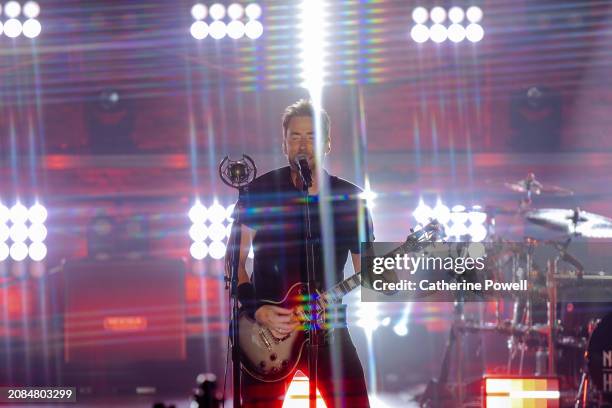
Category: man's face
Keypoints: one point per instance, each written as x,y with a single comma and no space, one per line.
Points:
300,139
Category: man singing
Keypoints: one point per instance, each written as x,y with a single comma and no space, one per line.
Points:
273,222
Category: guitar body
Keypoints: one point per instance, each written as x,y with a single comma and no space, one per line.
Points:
264,356
270,359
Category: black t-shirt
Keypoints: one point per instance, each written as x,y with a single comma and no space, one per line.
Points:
274,208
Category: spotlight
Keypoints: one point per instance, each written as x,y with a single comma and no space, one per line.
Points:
198,232
198,250
4,232
368,195
217,11
1,28
37,214
423,213
477,232
217,249
456,33
199,30
18,251
400,329
235,11
235,29
19,214
12,28
37,232
18,232
12,9
474,32
5,213
198,213
253,29
216,213
441,212
229,212
437,15
438,33
37,251
217,29
199,11
31,9
31,28
216,232
456,14
4,251
419,15
419,33
474,14
253,11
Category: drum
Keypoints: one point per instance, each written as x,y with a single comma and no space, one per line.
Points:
599,357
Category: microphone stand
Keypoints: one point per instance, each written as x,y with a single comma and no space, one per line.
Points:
239,180
313,338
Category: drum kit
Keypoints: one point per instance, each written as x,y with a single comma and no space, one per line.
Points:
550,333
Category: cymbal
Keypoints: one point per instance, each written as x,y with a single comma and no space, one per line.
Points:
576,221
530,185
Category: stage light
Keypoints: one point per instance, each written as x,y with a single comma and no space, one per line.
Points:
235,11
37,251
198,213
216,250
199,11
217,30
474,32
31,9
4,232
400,329
18,232
31,28
298,391
474,14
441,212
368,195
198,232
37,232
313,23
438,33
5,213
420,15
217,11
18,251
437,15
198,250
456,33
37,214
216,213
368,316
4,251
229,212
216,232
235,30
423,213
419,33
477,217
199,30
228,229
477,232
456,15
521,392
1,28
12,28
253,29
12,9
19,213
386,321
253,11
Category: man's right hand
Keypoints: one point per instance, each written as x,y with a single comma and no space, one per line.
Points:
279,320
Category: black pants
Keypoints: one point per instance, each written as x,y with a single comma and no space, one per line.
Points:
339,375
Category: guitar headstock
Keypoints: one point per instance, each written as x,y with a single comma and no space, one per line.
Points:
423,236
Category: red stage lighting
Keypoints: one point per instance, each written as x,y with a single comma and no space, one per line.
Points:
517,392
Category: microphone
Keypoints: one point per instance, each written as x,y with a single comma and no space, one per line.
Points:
237,173
301,162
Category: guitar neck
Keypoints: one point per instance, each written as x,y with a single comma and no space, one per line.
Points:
338,291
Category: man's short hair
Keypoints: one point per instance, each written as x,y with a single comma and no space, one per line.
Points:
304,107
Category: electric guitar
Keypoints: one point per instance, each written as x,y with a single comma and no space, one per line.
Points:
271,359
